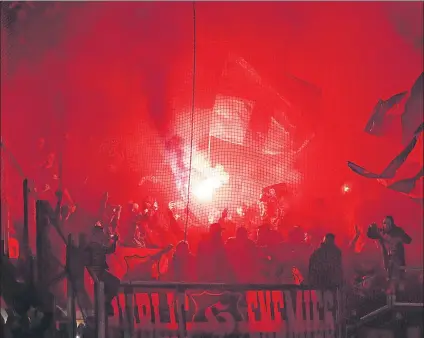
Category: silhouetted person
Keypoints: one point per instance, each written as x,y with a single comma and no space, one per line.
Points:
47,183
150,227
183,265
268,242
268,236
392,239
132,232
243,257
100,245
228,226
325,265
296,247
212,264
175,226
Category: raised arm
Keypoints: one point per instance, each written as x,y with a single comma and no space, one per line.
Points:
110,247
353,242
223,217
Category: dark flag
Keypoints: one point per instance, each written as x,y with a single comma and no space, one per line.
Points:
248,110
407,185
376,123
412,115
384,116
388,176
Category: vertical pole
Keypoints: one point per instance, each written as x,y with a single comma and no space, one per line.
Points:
5,224
339,316
129,309
71,311
39,239
100,311
4,206
180,298
43,270
25,235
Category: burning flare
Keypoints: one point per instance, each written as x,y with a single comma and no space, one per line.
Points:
206,180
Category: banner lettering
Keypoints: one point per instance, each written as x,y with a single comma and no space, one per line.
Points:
197,313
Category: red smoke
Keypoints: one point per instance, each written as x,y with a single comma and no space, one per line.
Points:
111,70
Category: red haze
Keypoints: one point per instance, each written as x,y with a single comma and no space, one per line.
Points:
98,69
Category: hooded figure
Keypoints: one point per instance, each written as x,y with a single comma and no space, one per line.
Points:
325,265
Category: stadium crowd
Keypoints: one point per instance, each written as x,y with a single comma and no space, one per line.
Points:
148,242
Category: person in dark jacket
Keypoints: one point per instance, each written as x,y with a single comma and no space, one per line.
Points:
101,244
212,261
392,239
182,267
243,257
325,265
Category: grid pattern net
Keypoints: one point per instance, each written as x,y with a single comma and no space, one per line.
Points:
216,157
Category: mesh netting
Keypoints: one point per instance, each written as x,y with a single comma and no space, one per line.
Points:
235,143
198,136
233,156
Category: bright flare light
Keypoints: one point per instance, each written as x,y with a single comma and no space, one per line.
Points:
345,189
204,190
206,179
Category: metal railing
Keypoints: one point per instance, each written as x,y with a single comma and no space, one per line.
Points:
179,288
392,304
128,290
99,306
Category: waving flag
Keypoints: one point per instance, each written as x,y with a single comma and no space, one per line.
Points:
250,110
412,115
384,115
230,119
388,177
407,186
376,123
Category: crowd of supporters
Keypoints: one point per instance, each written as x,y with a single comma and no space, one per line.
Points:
148,242
373,262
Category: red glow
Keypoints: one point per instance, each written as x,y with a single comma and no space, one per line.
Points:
13,248
206,180
204,190
109,91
